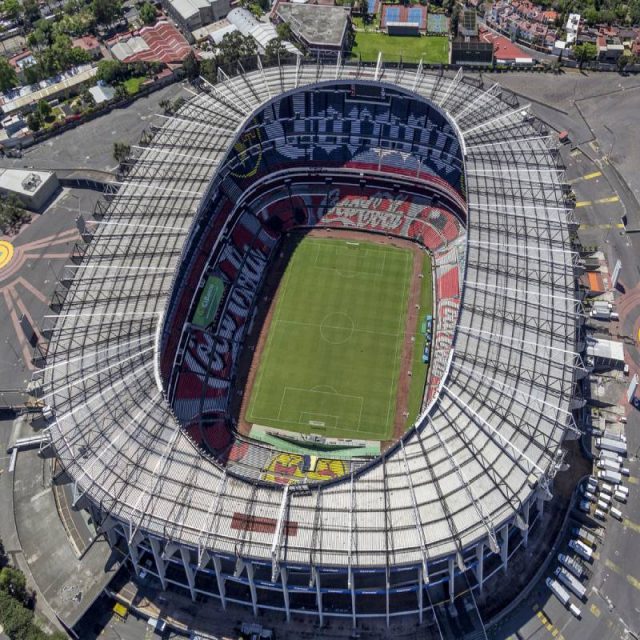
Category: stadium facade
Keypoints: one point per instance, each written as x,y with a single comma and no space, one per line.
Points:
140,394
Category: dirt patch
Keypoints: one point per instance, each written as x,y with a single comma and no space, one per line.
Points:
250,358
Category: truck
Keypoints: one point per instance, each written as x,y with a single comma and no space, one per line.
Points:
610,435
558,591
582,533
610,455
609,444
603,505
571,582
619,496
581,549
584,505
561,593
573,564
614,477
622,489
605,463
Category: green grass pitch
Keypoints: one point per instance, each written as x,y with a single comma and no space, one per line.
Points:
331,360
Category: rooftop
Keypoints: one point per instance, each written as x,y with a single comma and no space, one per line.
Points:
23,182
316,24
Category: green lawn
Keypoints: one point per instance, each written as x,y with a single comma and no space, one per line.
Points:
432,49
332,357
419,377
132,85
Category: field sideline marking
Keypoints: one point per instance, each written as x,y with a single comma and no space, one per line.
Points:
405,299
337,252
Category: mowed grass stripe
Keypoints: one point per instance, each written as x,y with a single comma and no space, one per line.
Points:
331,359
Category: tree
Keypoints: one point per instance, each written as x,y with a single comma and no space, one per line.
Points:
147,13
110,71
624,60
585,53
191,66
209,70
13,581
274,51
284,30
44,108
106,11
11,9
121,151
234,47
8,77
31,11
34,121
4,560
15,619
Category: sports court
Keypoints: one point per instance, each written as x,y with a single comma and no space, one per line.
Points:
331,360
415,15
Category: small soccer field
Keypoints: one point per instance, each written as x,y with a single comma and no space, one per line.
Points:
331,359
431,49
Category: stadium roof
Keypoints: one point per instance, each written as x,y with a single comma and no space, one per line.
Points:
490,440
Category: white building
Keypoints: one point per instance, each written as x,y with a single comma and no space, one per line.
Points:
194,14
32,188
572,27
262,32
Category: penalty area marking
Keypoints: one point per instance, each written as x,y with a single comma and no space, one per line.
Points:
346,399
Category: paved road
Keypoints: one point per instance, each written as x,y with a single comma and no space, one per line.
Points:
27,282
91,144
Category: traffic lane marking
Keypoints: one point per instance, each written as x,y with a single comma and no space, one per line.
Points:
612,565
607,200
588,176
546,623
594,610
617,225
632,525
634,582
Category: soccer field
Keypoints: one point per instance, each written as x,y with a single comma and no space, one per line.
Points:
331,360
431,49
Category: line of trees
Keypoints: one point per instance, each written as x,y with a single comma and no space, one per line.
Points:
16,605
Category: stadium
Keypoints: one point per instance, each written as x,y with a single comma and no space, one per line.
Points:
151,358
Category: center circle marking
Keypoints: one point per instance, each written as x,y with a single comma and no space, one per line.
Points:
336,328
6,253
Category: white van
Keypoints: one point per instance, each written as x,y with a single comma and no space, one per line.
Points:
608,488
600,514
619,496
616,513
621,489
601,504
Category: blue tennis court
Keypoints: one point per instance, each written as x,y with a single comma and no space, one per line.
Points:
371,6
393,14
415,15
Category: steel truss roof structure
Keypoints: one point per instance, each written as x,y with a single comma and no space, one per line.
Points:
488,444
